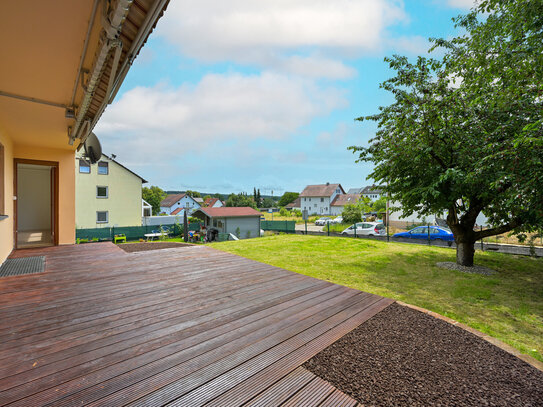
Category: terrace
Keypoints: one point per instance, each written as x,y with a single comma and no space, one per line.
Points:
185,326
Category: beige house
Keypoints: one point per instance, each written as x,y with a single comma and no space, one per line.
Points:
106,194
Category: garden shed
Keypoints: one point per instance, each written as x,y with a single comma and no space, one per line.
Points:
243,222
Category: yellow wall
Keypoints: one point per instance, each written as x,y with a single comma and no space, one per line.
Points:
124,197
66,201
6,225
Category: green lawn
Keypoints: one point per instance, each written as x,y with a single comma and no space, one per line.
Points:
507,306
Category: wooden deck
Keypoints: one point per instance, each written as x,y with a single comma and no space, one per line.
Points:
180,327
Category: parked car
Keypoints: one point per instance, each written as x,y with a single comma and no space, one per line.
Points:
366,229
338,219
421,232
322,221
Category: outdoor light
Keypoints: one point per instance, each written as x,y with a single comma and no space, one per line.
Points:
70,113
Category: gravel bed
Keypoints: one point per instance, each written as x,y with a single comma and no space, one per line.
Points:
144,246
403,357
449,265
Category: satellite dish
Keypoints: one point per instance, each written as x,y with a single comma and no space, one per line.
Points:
93,149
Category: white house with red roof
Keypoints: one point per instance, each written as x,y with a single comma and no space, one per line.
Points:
317,199
242,222
213,203
175,204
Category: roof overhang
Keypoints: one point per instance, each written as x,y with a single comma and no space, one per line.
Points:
64,61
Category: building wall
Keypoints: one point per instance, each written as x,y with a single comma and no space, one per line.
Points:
66,188
123,203
316,205
245,225
336,210
6,225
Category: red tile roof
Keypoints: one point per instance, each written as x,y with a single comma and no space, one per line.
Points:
229,212
321,190
210,201
171,199
344,199
177,211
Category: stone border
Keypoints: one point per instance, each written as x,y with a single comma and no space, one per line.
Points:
496,342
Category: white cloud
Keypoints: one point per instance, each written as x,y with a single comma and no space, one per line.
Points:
165,122
279,34
412,45
462,3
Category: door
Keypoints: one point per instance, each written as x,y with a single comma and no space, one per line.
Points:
36,197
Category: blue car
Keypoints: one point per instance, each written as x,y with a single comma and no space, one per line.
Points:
421,232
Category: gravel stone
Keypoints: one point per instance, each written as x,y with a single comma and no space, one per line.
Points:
449,265
144,246
403,357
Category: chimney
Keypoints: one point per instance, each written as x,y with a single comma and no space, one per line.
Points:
327,183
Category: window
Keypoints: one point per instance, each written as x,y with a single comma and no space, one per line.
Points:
101,217
315,205
84,167
103,168
322,199
102,192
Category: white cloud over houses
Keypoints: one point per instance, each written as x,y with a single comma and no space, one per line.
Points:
281,34
167,121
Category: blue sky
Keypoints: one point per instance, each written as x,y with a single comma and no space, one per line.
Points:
227,96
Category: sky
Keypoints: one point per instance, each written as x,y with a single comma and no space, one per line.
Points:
231,95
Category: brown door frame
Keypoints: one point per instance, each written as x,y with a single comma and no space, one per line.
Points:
54,195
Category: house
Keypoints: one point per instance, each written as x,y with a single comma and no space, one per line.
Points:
372,192
296,204
174,204
317,199
213,203
199,200
243,222
341,200
58,76
106,194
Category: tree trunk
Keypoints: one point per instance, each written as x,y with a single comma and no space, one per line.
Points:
464,253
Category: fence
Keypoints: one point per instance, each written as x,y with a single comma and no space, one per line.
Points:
287,226
131,232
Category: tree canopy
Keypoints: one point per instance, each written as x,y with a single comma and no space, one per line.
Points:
153,195
464,133
288,197
240,199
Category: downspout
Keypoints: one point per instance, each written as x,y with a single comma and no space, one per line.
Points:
110,39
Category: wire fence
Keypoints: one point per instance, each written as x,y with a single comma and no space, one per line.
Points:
131,232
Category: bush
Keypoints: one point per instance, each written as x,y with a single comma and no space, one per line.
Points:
284,212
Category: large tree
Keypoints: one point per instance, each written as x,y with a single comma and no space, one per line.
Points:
153,195
240,199
464,134
288,197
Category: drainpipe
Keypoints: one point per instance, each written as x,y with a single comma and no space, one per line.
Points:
109,39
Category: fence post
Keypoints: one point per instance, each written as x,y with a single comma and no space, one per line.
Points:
286,226
482,240
429,244
306,226
354,230
328,224
112,232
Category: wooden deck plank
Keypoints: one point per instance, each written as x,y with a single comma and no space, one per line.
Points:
183,326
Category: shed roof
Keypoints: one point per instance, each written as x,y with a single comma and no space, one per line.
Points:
297,203
229,212
321,190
